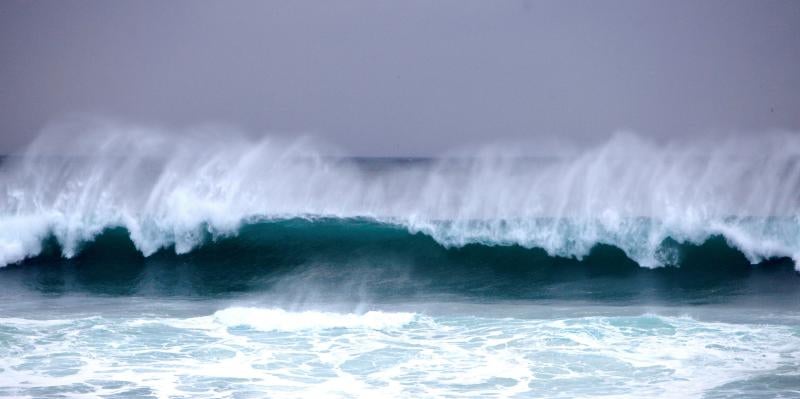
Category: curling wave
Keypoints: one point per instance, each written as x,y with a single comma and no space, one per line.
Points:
177,193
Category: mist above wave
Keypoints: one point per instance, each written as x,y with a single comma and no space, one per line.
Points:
170,189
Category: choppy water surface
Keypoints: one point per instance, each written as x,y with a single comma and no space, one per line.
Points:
247,351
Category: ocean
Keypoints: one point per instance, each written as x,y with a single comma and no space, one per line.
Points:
140,265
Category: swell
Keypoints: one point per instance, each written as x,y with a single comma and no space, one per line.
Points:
335,238
281,241
355,258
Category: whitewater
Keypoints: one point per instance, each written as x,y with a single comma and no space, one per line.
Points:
491,351
177,192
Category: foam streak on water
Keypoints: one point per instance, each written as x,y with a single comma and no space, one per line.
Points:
252,352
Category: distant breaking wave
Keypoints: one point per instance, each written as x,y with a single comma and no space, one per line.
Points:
180,191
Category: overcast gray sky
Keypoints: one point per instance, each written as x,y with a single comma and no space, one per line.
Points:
404,77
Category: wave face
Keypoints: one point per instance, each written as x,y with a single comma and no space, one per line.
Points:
178,192
299,261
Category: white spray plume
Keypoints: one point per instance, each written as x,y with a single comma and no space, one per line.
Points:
166,189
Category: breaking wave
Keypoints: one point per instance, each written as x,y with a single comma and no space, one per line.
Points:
179,192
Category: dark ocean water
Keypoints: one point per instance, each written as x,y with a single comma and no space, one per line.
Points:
362,260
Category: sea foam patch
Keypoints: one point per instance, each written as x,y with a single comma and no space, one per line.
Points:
381,354
280,320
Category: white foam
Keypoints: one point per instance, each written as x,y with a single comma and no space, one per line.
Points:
168,189
281,320
316,354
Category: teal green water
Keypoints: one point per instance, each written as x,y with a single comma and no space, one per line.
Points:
357,260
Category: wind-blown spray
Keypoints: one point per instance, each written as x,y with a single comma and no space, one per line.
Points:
177,190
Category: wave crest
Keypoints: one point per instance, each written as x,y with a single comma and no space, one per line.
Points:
177,191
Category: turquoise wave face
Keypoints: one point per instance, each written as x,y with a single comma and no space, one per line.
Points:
357,260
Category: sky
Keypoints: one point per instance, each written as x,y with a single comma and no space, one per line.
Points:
404,78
